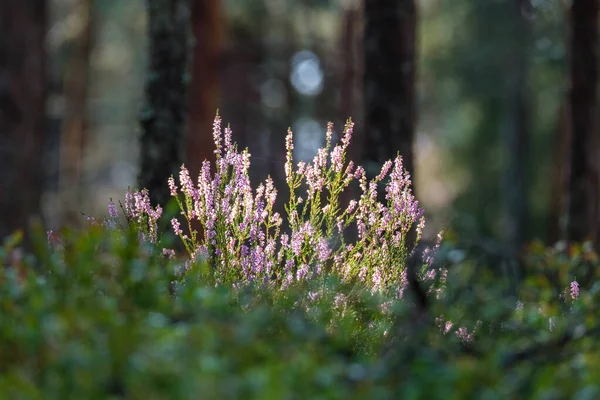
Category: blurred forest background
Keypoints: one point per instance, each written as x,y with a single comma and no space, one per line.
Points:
478,96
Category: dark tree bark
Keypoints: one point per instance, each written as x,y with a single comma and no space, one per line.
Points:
351,86
582,221
389,80
516,136
241,99
560,172
22,111
74,123
350,66
207,25
163,120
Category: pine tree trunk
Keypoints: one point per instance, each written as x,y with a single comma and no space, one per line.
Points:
22,111
516,136
583,178
560,170
74,123
207,25
389,80
163,120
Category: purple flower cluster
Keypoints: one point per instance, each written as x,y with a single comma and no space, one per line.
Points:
574,289
139,211
241,232
239,225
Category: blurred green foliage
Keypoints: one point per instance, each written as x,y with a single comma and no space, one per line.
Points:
467,61
102,315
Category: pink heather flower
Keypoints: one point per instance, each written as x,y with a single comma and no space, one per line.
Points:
153,216
289,147
359,173
340,225
438,242
376,279
347,133
340,301
228,145
349,174
187,186
301,168
217,135
420,227
323,250
302,272
384,170
372,191
172,187
112,210
336,158
169,253
429,254
276,219
129,203
351,206
362,275
447,326
176,227
430,275
141,204
284,239
574,290
313,296
287,281
289,140
464,335
320,160
270,192
329,133
296,242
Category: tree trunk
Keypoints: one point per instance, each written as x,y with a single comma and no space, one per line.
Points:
560,172
163,120
389,80
349,65
207,23
351,85
74,123
516,136
22,111
583,178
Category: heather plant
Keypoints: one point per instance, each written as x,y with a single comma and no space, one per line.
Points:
245,240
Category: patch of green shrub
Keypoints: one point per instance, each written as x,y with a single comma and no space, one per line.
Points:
109,317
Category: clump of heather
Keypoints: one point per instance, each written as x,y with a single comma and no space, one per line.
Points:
242,235
574,289
139,213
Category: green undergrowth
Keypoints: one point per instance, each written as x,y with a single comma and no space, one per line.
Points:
103,315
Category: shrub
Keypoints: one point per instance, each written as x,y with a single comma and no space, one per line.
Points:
242,237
